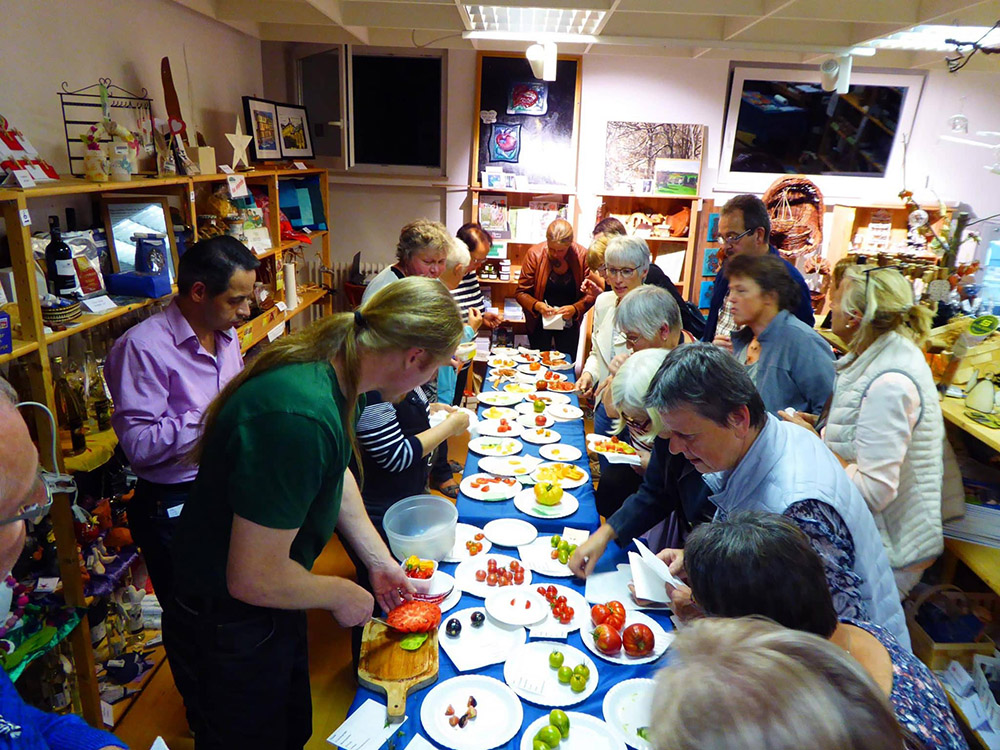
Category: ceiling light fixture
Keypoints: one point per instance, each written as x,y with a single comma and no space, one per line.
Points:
504,19
835,74
543,60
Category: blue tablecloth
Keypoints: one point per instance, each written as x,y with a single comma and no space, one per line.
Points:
586,517
478,513
608,674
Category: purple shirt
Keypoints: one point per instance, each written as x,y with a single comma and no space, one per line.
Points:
162,379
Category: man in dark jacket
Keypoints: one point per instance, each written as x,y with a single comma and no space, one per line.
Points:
744,227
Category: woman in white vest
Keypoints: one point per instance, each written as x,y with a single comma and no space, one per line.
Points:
751,460
884,422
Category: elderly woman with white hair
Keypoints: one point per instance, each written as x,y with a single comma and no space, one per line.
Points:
649,318
626,262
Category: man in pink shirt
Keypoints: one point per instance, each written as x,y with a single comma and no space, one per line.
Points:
163,373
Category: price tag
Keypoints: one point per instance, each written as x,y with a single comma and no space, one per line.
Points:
226,169
276,332
238,186
107,714
99,304
36,172
192,196
549,631
307,230
23,178
529,683
282,306
25,217
47,584
960,681
299,165
575,536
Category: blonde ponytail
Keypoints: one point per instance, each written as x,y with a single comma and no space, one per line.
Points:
412,312
883,300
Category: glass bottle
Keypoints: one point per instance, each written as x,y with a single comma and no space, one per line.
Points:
61,276
71,413
100,399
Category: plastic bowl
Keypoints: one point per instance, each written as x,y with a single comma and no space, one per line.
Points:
466,351
422,525
422,585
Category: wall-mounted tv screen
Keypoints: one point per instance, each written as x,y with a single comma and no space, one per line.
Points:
780,121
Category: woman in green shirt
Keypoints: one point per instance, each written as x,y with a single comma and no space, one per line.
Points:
272,487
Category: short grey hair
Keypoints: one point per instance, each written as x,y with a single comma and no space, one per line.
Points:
458,255
421,234
628,251
631,383
645,309
708,380
7,391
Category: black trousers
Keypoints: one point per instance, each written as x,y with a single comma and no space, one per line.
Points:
618,482
246,672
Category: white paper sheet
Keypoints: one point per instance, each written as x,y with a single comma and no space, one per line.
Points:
660,568
647,584
610,585
553,322
365,729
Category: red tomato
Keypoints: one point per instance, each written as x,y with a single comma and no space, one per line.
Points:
540,420
552,591
638,640
566,616
607,639
599,613
616,606
519,577
514,565
480,537
541,590
480,575
555,555
491,579
491,565
484,488
615,620
561,600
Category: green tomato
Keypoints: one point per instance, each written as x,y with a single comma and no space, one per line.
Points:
578,683
549,735
564,675
563,556
556,659
583,670
555,540
539,745
563,545
643,732
572,548
560,721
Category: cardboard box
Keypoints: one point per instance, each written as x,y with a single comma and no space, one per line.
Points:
6,343
984,669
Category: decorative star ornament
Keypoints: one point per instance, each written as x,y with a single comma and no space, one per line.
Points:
239,142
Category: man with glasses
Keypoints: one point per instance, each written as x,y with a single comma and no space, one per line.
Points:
745,227
23,497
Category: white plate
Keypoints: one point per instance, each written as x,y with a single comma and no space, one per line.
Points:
491,446
661,641
522,388
503,351
566,484
443,581
528,673
538,557
498,490
539,372
627,707
562,412
527,377
522,606
510,532
530,422
491,428
532,436
465,575
499,713
586,732
439,416
564,365
475,648
525,359
554,397
465,532
581,615
525,502
509,466
501,361
498,398
499,412
561,452
527,407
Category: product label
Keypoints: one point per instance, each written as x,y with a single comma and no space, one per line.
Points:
65,268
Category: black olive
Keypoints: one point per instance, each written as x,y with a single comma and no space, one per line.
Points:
478,618
463,721
472,701
453,627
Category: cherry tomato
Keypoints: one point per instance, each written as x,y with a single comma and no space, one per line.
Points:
514,565
519,577
491,565
565,618
479,537
552,591
561,600
484,488
555,554
491,579
569,612
541,590
480,575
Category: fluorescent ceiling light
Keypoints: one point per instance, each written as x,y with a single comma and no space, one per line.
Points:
932,38
499,18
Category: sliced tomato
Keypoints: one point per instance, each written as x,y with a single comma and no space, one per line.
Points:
415,617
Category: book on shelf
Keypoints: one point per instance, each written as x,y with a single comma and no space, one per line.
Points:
512,311
980,524
493,215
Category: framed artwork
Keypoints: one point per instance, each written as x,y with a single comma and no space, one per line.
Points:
705,297
293,126
713,228
639,151
262,123
528,98
505,143
711,262
126,216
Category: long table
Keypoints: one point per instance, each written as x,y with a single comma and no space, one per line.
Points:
478,513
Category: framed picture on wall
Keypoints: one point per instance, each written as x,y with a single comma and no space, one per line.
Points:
293,127
262,123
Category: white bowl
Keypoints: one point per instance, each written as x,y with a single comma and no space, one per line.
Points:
421,525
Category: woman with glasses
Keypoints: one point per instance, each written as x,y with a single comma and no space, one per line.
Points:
626,261
884,421
789,363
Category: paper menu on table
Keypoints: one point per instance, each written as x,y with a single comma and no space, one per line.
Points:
660,568
419,743
647,584
365,729
610,585
575,536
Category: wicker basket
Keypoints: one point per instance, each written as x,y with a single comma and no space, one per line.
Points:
936,655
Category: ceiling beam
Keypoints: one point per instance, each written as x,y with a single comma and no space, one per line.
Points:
400,16
943,11
736,26
269,11
749,8
334,10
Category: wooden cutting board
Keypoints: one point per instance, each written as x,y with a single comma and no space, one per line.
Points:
385,666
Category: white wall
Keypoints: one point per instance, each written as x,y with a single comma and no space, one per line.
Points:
46,42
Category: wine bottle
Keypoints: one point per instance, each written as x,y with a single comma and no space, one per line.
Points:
100,399
59,262
70,412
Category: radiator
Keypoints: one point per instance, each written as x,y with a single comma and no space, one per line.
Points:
337,279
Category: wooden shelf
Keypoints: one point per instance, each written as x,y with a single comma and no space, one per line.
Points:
539,190
307,298
100,448
19,349
90,320
954,411
981,560
76,185
653,196
119,709
256,173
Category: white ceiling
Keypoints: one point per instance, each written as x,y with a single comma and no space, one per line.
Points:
776,30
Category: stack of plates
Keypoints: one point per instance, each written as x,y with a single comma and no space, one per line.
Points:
64,312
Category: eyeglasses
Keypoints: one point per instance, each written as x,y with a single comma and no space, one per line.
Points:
732,239
33,512
870,271
625,273
631,339
636,425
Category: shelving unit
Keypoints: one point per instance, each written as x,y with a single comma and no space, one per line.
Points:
855,139
849,220
666,204
33,342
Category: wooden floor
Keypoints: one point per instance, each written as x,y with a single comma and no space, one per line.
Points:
160,712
